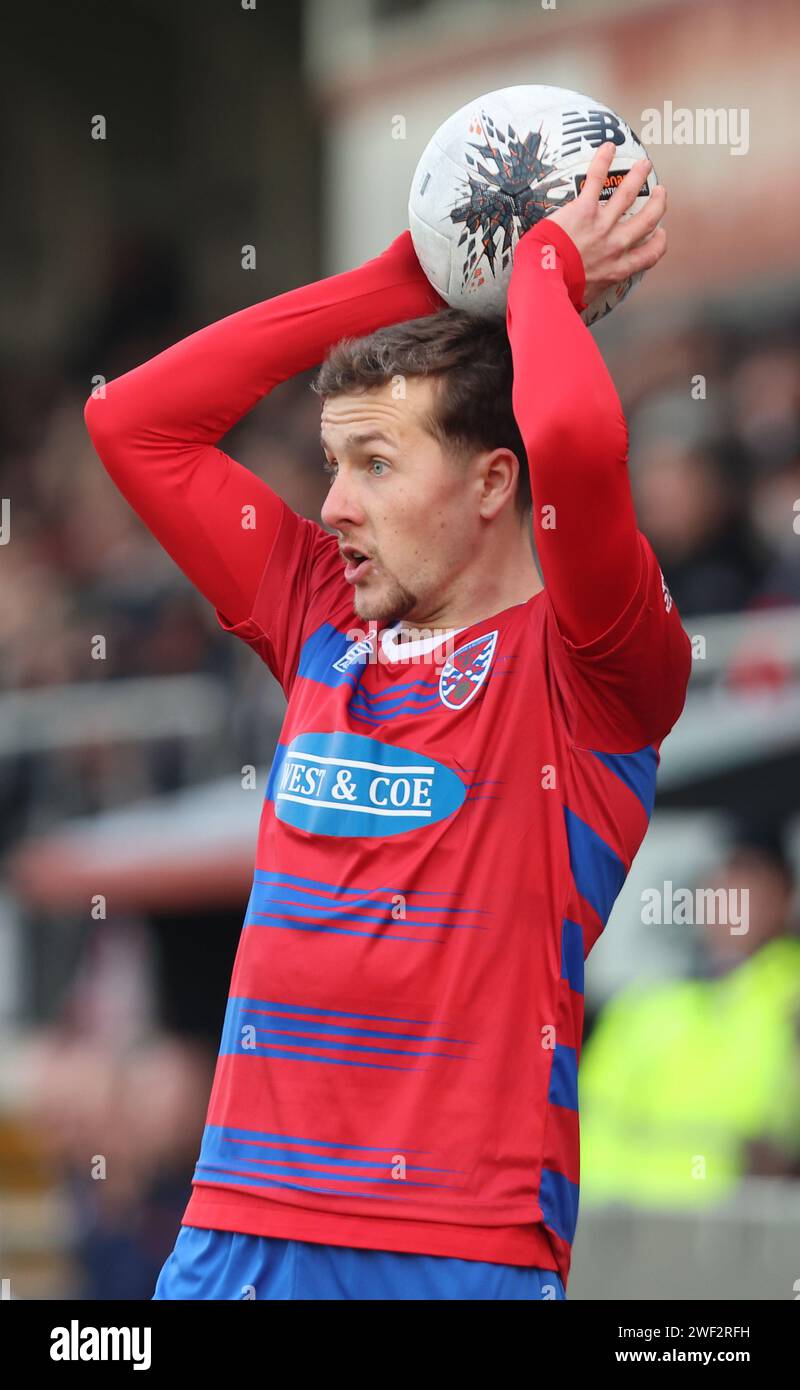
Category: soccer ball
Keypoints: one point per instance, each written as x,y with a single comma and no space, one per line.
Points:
498,166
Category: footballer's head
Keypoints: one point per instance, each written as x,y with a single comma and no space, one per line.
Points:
429,489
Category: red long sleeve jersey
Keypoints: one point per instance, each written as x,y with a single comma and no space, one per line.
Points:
446,823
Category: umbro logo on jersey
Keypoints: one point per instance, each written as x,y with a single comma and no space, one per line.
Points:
358,653
464,673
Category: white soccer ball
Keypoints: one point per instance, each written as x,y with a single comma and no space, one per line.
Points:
498,166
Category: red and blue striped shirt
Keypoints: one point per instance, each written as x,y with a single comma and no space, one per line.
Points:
446,823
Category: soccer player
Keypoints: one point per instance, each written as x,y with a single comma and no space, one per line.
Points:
464,774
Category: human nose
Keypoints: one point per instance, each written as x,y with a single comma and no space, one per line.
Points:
341,507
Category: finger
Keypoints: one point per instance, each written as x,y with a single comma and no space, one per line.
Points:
597,171
625,195
635,228
647,254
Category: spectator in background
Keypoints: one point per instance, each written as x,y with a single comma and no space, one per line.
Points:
765,394
692,507
116,1126
690,1086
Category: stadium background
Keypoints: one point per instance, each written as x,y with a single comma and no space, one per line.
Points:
278,128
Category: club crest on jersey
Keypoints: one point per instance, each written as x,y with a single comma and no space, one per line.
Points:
465,671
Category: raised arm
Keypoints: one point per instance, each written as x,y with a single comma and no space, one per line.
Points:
566,405
156,428
617,648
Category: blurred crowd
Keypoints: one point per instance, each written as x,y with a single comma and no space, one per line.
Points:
714,420
714,424
80,564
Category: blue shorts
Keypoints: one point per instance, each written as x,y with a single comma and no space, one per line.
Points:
230,1265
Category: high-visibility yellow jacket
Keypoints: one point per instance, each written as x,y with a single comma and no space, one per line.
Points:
676,1078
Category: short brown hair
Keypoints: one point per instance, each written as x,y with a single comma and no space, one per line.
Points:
469,358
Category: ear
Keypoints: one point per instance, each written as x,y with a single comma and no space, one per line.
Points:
499,470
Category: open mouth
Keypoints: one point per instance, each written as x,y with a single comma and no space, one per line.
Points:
356,566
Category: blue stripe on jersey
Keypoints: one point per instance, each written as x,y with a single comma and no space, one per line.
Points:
264,1136
275,1007
257,1163
323,886
253,1028
396,695
212,1173
637,771
563,1088
417,697
558,1199
319,652
598,872
572,959
247,1147
276,902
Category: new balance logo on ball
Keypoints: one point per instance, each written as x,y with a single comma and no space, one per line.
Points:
593,126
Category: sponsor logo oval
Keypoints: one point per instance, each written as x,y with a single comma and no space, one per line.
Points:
345,784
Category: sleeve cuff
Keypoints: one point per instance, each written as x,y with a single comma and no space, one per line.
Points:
403,259
549,233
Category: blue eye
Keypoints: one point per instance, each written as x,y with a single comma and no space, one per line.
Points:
382,463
